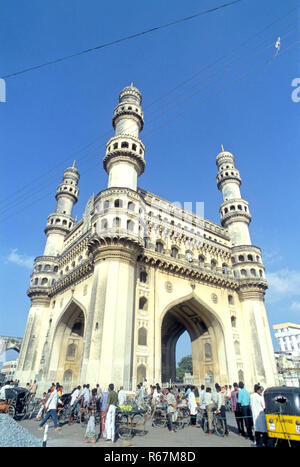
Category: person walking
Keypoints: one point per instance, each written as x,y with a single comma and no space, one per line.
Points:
221,407
139,395
235,408
171,408
122,396
244,401
210,405
257,404
99,391
74,403
51,407
192,405
33,389
103,404
201,404
90,432
110,414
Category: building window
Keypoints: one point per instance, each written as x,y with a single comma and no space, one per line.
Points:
143,304
174,252
230,300
118,203
117,222
159,247
142,336
130,226
130,206
233,321
143,277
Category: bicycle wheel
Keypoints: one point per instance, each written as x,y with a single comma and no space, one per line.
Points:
204,425
219,426
124,431
138,423
159,419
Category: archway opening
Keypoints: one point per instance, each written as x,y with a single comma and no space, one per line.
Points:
68,346
190,321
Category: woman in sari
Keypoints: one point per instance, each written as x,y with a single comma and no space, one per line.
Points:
90,432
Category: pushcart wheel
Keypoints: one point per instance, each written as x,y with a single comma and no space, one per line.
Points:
12,411
138,423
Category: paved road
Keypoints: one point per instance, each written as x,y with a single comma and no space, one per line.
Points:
73,436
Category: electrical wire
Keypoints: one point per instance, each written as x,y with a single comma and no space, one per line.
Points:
11,199
117,41
21,197
178,115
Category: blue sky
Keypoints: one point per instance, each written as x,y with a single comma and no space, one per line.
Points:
52,113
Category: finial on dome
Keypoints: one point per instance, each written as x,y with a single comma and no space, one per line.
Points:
222,147
73,164
131,84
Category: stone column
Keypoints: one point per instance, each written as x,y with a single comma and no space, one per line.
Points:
30,354
259,346
110,342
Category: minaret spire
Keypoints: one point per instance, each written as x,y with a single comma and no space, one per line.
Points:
124,158
61,221
234,210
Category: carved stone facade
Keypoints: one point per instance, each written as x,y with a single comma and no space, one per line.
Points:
121,286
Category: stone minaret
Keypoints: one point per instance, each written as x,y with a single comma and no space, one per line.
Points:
45,272
248,270
124,159
61,221
234,210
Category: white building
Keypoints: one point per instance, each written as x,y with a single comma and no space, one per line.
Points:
288,335
8,369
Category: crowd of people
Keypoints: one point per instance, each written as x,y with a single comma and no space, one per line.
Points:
248,409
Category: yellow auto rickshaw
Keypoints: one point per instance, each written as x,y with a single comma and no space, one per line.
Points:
283,414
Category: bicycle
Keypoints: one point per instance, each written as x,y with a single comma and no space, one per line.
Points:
217,423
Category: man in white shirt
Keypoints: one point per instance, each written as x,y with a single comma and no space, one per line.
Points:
122,396
257,404
209,406
51,407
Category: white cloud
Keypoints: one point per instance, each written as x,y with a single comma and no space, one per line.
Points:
21,260
283,284
295,306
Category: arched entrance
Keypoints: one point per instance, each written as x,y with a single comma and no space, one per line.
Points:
68,345
207,339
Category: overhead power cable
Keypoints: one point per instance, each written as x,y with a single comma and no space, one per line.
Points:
39,179
14,200
117,41
239,78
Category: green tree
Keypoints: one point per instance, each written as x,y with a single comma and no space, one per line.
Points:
184,366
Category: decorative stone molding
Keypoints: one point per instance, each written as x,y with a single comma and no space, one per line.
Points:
124,155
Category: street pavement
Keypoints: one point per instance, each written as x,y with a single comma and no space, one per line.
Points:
189,437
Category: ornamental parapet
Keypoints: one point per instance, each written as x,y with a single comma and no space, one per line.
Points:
58,222
235,216
182,268
252,289
124,155
114,245
125,109
77,274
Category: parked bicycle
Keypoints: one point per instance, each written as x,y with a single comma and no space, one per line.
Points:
217,423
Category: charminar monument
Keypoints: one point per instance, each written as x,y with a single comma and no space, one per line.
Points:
112,293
